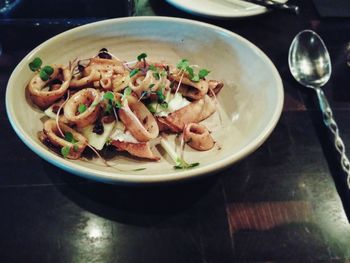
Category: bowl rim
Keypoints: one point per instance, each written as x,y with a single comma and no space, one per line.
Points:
139,178
257,11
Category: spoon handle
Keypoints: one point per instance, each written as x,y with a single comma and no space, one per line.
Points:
333,127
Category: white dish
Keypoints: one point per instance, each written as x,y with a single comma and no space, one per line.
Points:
250,102
220,8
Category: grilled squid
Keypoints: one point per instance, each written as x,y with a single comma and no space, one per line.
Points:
193,112
44,93
214,87
189,88
198,137
96,70
90,98
141,149
52,134
150,82
138,119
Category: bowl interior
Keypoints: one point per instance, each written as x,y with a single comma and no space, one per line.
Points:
249,104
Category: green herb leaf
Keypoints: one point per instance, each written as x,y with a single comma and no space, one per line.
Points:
134,72
156,75
43,75
48,70
118,105
65,151
190,72
141,56
195,78
152,67
138,169
182,164
108,96
151,86
35,64
183,64
109,108
68,136
82,108
160,95
127,91
203,73
151,108
164,105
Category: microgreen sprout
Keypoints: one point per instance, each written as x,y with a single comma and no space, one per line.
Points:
182,164
65,151
112,103
134,72
82,108
156,75
142,57
184,66
152,67
68,136
45,72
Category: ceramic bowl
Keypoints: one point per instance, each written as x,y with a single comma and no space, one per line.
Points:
250,103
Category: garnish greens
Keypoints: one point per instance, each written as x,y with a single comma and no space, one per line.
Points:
68,136
133,72
142,56
45,72
65,151
152,67
111,102
179,162
82,108
182,164
184,65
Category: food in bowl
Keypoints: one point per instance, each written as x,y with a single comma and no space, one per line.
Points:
104,102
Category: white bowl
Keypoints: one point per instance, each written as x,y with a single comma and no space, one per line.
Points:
221,8
250,102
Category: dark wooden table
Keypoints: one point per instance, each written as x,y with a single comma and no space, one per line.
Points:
281,203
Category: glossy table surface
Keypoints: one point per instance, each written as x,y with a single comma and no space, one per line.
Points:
285,202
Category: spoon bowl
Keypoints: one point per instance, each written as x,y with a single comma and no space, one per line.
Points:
309,60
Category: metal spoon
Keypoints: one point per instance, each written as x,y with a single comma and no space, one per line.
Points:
310,65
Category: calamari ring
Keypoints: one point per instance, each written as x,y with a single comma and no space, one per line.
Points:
106,83
90,98
138,120
97,69
140,83
198,137
44,98
53,135
120,81
94,75
106,67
